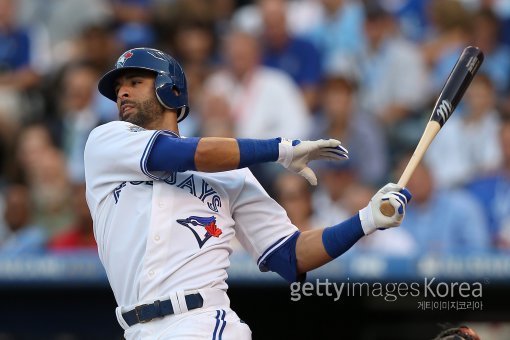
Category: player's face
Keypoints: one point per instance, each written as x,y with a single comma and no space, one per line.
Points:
136,98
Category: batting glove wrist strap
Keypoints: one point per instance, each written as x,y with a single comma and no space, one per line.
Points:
367,220
285,152
371,216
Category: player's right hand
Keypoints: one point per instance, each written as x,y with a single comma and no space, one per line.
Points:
371,216
295,155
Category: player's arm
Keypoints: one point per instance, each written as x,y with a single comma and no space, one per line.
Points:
317,247
311,249
213,154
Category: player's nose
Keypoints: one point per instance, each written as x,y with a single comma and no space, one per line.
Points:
123,92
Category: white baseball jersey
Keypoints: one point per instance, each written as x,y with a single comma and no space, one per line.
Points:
163,232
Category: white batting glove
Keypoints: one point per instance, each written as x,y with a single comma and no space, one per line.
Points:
295,155
371,216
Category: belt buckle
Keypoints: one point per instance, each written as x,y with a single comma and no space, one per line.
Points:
138,312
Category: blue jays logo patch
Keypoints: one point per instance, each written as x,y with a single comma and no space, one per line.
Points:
207,224
123,58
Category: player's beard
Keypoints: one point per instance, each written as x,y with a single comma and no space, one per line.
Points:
147,112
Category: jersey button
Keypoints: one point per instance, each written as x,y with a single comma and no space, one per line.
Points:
161,204
151,273
156,238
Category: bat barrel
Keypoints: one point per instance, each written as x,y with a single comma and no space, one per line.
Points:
458,81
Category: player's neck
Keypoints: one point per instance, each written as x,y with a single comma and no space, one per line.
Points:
167,122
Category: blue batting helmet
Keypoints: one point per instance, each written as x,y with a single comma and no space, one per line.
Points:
170,85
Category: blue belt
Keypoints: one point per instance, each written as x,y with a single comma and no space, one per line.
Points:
159,309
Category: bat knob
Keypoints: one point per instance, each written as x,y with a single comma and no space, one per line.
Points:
387,209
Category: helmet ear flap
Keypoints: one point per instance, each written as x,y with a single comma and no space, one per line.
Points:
171,96
164,90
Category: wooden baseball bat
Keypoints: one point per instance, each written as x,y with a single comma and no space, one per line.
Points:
458,81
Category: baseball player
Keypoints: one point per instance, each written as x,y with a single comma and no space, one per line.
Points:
165,207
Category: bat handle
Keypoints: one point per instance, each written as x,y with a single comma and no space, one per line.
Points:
428,135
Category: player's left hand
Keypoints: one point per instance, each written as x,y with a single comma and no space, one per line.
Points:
371,216
295,155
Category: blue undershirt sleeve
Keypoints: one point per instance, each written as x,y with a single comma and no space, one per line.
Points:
283,260
172,154
341,237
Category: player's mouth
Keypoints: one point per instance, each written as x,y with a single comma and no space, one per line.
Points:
126,109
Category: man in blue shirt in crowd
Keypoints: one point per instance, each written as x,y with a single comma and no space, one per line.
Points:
493,192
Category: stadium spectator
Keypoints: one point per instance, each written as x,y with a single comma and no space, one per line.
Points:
294,194
296,56
5,145
496,55
302,17
131,11
222,11
51,191
18,64
215,119
470,138
97,46
43,167
394,82
65,20
77,115
170,15
133,21
443,221
23,237
33,141
502,9
19,70
411,16
340,117
80,234
493,192
451,24
262,102
194,44
340,32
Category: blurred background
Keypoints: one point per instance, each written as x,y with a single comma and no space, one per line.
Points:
365,72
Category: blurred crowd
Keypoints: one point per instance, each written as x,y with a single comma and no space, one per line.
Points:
365,72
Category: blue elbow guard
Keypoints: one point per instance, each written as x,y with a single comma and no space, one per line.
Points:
283,260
